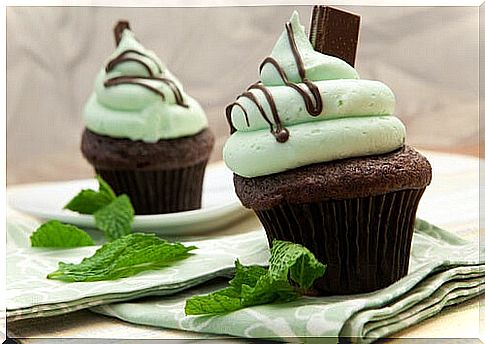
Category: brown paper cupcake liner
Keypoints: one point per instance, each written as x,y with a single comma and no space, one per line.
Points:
159,191
365,242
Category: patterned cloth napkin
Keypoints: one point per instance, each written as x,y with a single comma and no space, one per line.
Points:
30,294
444,271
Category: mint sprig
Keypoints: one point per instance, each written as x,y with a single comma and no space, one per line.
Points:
89,201
296,262
113,215
124,257
115,219
56,234
292,271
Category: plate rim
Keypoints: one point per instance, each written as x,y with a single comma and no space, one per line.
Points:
141,222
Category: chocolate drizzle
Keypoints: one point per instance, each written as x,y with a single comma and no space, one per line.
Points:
135,79
282,134
311,95
121,58
119,28
123,80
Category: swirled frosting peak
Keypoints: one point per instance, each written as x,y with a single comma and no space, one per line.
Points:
135,96
315,107
317,66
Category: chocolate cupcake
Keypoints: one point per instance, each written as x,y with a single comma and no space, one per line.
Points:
318,155
144,135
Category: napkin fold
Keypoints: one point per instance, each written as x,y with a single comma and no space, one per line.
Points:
30,294
444,270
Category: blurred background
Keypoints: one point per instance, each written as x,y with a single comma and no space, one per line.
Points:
427,55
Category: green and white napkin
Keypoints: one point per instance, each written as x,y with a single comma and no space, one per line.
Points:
444,270
30,294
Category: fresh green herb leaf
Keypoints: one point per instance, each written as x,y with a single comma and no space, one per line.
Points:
115,219
250,286
267,290
113,215
104,188
255,285
228,299
248,275
56,234
89,201
123,257
219,302
297,261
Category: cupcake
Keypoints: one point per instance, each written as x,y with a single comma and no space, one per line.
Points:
144,135
318,155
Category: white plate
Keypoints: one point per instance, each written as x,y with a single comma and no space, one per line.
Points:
220,205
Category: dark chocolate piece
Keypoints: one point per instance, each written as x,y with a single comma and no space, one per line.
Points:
335,32
335,180
119,28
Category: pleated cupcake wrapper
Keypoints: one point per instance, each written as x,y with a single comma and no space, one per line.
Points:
159,191
365,242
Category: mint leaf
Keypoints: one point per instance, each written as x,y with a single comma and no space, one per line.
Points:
255,285
113,215
248,275
267,290
297,261
115,219
126,256
104,188
250,286
89,201
56,234
228,299
219,302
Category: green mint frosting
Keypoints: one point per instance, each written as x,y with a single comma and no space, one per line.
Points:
317,66
135,112
356,119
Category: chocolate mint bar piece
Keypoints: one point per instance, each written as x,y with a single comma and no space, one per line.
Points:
119,28
335,32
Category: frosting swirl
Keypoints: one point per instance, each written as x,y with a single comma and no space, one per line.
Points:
315,107
135,96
